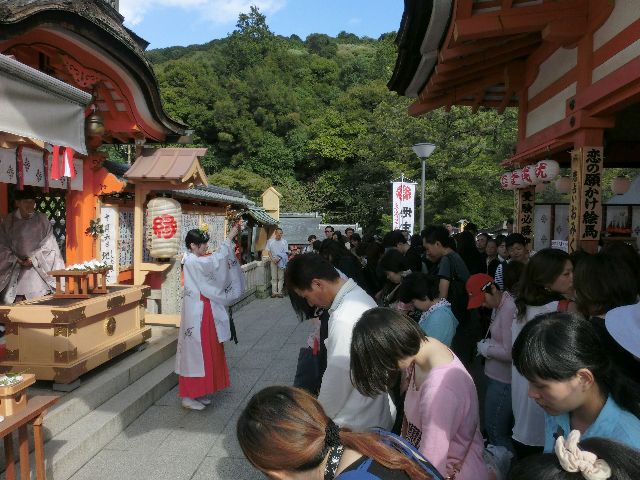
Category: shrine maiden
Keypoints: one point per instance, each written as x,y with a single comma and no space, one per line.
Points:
28,250
211,283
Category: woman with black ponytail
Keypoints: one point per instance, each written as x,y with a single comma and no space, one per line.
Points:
574,379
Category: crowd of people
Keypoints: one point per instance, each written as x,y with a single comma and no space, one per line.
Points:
401,325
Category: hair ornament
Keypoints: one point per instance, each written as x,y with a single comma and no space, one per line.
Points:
332,434
204,228
573,460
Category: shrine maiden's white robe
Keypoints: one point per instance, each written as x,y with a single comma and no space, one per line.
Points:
27,238
219,278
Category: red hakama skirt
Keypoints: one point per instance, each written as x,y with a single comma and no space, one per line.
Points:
216,372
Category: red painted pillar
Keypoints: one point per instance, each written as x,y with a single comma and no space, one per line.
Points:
81,208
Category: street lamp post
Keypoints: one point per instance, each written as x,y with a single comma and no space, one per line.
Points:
423,151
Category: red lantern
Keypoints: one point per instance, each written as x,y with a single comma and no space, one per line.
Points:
620,185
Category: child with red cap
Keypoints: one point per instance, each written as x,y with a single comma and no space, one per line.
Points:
496,349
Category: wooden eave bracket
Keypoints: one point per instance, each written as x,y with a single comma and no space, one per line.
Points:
565,33
518,20
195,175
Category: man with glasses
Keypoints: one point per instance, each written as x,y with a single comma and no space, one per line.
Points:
328,231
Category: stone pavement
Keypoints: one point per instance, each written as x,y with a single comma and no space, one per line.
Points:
169,442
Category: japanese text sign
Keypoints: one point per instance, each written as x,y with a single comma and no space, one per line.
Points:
403,205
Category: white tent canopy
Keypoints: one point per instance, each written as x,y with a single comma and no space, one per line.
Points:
40,107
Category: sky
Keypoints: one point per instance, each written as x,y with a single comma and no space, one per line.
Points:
166,23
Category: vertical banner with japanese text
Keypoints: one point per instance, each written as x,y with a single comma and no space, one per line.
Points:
575,204
403,205
526,205
591,223
585,219
108,241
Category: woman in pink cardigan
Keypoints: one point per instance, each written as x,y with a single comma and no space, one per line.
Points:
482,290
441,403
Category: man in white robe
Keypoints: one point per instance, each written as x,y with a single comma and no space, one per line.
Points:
28,251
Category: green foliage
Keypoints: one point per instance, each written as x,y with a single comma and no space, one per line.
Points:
315,119
322,45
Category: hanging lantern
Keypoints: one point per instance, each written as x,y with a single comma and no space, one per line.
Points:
546,170
164,216
563,184
505,180
95,124
620,185
516,179
529,176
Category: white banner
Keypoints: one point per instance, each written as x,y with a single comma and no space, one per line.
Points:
109,240
403,195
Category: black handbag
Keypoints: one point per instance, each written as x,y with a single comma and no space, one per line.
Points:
308,371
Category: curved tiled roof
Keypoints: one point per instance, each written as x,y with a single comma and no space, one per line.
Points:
100,23
212,193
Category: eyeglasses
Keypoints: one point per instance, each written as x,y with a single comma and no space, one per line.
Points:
486,288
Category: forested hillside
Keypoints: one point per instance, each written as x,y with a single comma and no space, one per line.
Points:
314,118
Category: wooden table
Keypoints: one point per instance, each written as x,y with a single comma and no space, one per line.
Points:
32,415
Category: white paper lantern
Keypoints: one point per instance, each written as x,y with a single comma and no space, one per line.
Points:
546,170
164,216
505,180
529,175
620,185
516,179
563,184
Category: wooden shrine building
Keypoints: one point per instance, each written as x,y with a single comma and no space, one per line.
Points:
572,67
85,45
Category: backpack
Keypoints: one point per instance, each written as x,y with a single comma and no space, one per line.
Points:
400,444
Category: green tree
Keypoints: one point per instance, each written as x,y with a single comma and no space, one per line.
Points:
315,119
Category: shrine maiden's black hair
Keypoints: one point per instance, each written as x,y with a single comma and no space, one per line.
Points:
196,236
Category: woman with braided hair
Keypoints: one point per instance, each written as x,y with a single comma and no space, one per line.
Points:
284,433
211,283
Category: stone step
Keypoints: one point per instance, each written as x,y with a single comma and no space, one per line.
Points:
70,449
117,388
98,387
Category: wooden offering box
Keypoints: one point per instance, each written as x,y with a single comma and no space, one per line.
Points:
60,339
13,398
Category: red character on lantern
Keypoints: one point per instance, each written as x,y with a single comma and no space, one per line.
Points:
541,170
504,180
165,226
